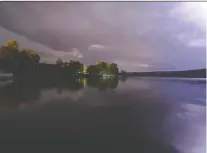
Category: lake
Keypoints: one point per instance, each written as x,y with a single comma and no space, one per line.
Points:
142,115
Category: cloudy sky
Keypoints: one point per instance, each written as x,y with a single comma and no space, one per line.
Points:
138,36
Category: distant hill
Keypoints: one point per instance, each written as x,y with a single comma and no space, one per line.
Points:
198,73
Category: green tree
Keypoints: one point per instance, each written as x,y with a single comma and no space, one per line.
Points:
93,70
9,56
113,68
30,55
6,59
12,60
13,44
27,60
76,66
85,69
102,66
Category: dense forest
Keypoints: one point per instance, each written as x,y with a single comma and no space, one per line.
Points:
16,61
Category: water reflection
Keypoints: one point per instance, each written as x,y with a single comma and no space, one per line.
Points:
102,83
28,90
11,96
123,78
71,84
138,115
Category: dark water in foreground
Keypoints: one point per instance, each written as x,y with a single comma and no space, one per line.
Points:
142,115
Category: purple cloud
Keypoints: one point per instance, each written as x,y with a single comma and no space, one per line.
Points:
143,35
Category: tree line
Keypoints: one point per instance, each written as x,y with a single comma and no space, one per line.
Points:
99,68
11,57
27,92
14,60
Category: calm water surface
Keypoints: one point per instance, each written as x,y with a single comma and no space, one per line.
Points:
142,115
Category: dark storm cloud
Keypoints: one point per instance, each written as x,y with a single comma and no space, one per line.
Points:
138,35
